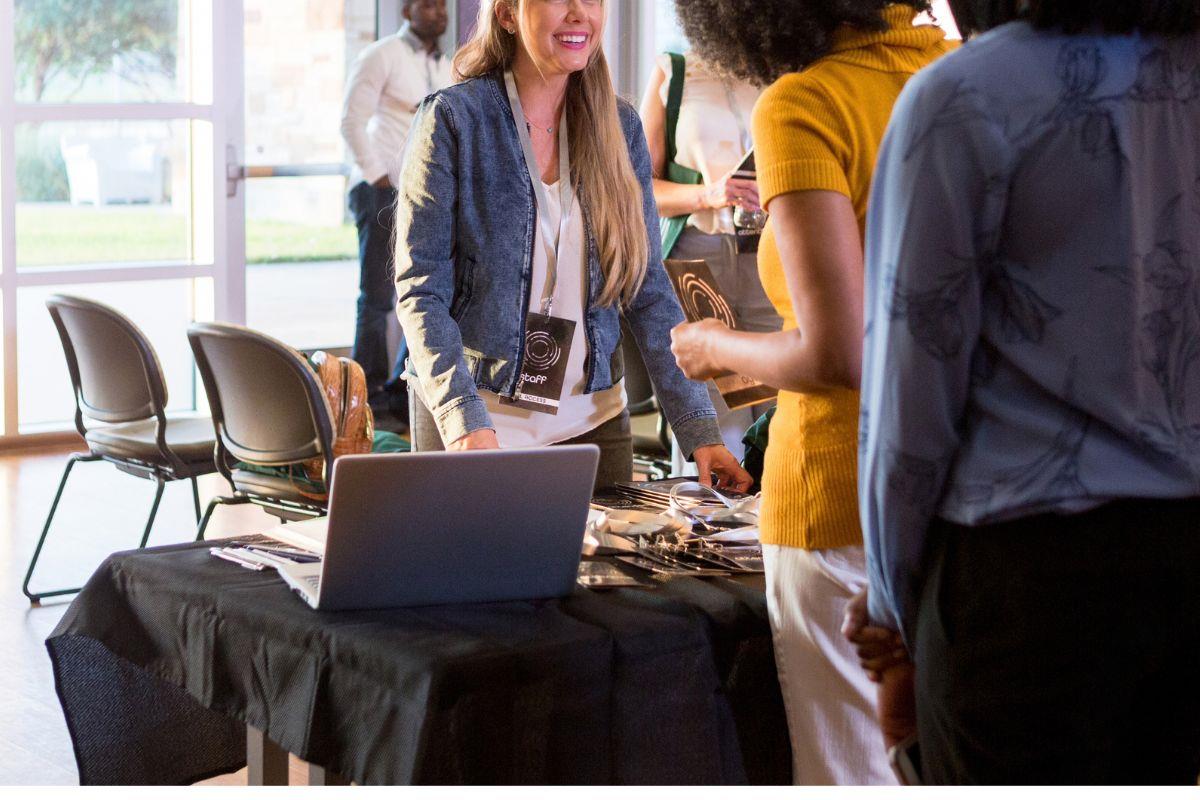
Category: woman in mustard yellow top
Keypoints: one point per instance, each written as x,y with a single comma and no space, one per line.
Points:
835,69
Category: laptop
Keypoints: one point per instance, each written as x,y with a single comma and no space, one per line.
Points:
414,529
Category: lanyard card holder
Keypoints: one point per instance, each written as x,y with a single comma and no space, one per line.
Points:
547,345
547,338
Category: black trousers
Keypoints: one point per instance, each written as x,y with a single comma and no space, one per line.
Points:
1063,649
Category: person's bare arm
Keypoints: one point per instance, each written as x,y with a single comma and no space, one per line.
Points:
819,243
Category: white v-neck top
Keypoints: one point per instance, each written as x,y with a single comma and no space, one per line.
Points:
578,412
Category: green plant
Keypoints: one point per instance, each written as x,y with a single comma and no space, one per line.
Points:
74,39
41,173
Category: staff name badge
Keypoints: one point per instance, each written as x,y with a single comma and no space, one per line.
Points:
547,345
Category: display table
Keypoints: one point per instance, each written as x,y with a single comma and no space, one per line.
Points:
168,654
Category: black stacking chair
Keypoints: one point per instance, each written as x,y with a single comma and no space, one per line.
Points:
648,423
268,410
118,383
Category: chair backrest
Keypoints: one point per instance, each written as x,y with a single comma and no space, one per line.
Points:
114,370
267,405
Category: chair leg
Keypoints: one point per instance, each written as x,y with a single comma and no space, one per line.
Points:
37,551
196,498
158,493
212,506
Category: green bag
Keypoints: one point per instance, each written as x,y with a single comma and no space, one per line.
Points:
672,227
756,439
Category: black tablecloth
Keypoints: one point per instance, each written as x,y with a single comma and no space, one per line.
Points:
167,653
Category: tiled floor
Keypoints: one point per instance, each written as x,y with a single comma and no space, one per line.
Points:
102,511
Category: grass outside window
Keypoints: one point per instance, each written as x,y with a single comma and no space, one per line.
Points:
55,234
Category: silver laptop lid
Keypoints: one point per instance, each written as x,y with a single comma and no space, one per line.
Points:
412,529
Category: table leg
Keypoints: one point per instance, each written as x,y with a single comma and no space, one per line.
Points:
267,761
320,776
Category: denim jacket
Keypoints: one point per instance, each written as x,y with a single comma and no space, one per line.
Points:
465,230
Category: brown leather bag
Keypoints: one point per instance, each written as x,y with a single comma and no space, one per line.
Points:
345,387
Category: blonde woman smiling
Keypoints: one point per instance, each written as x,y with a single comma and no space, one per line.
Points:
522,235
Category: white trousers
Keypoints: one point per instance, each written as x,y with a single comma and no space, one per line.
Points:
830,703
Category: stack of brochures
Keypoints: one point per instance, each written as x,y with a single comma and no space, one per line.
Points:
258,552
294,543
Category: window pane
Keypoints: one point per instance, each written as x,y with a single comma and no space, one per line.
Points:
3,372
308,305
99,51
301,247
95,192
298,219
668,38
162,309
301,253
296,66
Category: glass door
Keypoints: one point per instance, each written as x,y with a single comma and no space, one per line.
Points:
110,187
180,160
289,174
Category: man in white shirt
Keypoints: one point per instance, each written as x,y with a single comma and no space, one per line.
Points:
387,82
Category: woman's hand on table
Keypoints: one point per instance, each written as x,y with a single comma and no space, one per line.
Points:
731,191
692,346
482,439
715,460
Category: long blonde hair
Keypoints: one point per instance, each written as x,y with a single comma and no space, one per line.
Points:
611,196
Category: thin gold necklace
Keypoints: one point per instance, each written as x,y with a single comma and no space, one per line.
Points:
529,125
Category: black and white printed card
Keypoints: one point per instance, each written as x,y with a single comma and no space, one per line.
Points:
702,298
547,346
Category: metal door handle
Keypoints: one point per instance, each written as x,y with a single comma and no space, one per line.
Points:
235,172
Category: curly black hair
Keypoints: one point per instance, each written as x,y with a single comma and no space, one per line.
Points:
759,40
1167,17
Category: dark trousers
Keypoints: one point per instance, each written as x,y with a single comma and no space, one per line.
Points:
614,438
1063,649
374,213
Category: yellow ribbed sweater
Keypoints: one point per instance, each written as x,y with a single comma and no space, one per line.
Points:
821,129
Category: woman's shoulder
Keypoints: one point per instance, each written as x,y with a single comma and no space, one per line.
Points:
631,121
1010,67
791,96
482,93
